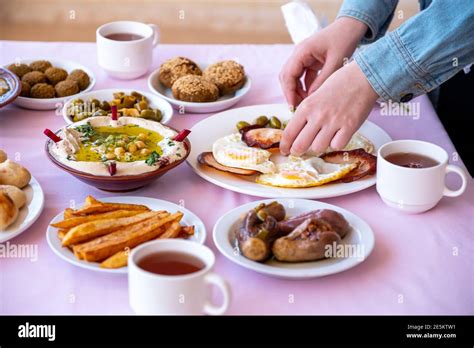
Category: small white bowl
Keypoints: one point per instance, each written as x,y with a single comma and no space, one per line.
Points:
53,103
107,94
222,103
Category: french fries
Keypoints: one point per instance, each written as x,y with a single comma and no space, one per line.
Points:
105,232
120,259
127,237
78,220
89,230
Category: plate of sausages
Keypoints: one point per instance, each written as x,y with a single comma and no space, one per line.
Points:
293,238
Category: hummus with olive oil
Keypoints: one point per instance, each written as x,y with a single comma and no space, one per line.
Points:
136,145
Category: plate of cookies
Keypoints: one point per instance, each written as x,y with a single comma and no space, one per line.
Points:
47,83
200,88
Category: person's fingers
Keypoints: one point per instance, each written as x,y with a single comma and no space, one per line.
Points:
304,140
328,68
341,138
309,78
322,140
290,80
290,133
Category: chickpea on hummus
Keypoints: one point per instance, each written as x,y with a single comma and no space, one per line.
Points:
135,145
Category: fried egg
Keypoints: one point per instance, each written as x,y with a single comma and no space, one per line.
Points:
231,151
358,141
298,172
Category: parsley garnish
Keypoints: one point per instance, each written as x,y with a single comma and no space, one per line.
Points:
153,158
86,130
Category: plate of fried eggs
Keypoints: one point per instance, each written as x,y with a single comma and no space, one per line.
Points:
238,151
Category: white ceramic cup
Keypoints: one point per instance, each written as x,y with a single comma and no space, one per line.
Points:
187,294
126,59
415,190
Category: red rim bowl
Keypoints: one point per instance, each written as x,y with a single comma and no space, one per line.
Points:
120,183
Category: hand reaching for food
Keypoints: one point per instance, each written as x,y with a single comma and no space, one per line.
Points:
331,115
325,51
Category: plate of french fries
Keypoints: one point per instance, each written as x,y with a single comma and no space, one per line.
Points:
100,234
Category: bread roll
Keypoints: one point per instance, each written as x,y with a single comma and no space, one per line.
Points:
3,156
8,211
18,196
11,173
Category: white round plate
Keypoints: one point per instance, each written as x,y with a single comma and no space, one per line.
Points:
206,132
53,103
107,94
28,214
188,219
360,239
222,103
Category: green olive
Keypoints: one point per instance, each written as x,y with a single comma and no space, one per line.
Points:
159,115
275,122
261,121
105,105
78,101
148,113
242,124
95,103
128,101
118,95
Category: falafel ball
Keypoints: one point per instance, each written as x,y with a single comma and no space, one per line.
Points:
25,89
81,78
66,88
40,65
55,75
19,69
42,90
177,67
194,88
34,77
228,76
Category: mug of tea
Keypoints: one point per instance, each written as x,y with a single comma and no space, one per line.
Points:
411,175
173,277
125,48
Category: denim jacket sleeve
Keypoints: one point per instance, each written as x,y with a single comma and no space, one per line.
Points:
422,53
376,14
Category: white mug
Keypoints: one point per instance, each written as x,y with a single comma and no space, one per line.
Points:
126,59
415,190
187,294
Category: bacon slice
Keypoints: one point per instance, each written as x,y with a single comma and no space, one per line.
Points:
367,162
264,138
208,159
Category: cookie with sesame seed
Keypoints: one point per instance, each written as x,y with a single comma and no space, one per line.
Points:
177,67
228,76
194,88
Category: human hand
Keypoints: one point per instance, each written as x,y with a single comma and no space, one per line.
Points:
324,51
331,115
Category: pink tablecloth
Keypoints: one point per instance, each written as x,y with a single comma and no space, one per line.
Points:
421,264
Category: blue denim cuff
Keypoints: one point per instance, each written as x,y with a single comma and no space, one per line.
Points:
392,71
364,18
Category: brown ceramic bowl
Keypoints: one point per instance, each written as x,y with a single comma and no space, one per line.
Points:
120,183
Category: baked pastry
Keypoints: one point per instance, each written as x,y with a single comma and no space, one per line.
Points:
19,69
3,156
11,173
8,211
18,196
194,88
80,76
34,77
40,65
42,90
177,67
66,88
55,75
227,75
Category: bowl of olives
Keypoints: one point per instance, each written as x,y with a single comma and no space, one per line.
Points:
129,102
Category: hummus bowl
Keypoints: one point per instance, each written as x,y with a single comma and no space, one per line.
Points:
117,155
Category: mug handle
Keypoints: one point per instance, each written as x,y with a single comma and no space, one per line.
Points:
156,34
224,287
454,193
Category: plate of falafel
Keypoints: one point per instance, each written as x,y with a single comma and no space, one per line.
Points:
47,82
204,88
